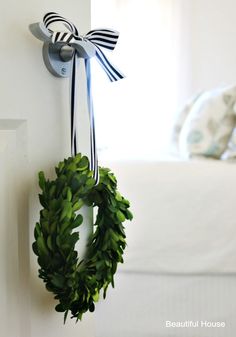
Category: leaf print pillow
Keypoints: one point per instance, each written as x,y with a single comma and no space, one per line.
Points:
209,125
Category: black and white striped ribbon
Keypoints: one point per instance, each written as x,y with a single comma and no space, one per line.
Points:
100,38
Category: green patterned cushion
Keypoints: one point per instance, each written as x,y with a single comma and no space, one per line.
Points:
209,125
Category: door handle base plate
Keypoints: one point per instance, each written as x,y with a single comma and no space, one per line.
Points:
57,58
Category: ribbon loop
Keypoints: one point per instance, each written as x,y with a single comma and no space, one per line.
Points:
85,47
53,17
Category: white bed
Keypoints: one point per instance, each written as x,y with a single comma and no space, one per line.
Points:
181,254
140,305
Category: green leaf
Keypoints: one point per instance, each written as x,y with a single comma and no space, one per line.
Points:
73,239
61,165
77,205
126,202
45,213
45,225
113,235
118,196
49,243
58,280
72,167
83,164
41,245
90,182
42,200
112,177
55,205
57,261
66,248
67,210
58,241
100,264
35,248
129,215
96,296
60,182
65,316
59,308
77,221
92,307
77,158
69,194
105,286
37,231
52,191
42,180
114,245
75,184
53,227
120,216
64,225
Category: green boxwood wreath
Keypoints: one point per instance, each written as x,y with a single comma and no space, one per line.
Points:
77,282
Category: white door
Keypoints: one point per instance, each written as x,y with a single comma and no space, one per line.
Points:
34,136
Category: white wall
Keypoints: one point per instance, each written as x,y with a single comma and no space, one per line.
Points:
212,33
202,56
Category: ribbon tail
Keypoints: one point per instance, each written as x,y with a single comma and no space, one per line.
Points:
112,72
74,119
93,148
73,104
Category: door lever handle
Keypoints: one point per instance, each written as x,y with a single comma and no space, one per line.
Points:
40,31
58,56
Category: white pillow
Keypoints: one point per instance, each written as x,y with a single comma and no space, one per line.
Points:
179,122
230,153
209,125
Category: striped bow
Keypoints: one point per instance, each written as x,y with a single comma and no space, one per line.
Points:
100,38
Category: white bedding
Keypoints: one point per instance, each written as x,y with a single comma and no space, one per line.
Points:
184,216
140,305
